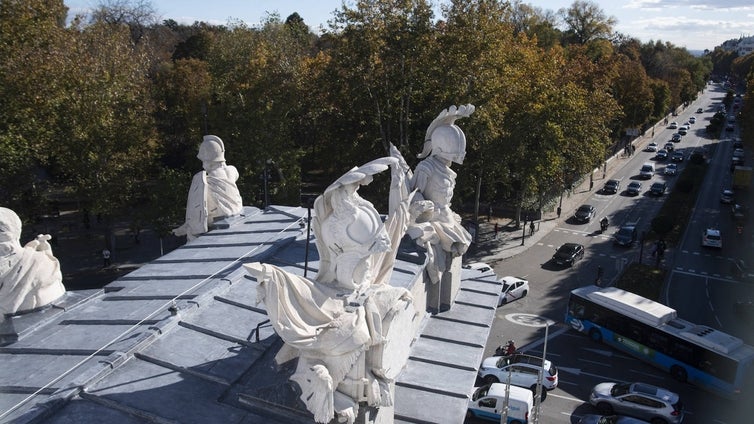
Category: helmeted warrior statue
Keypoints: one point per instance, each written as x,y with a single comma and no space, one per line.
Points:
213,193
437,227
30,276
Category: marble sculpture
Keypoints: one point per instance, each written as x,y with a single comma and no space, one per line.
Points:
349,328
30,275
213,193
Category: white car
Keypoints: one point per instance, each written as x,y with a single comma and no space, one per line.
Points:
651,147
513,288
673,125
711,237
478,266
522,369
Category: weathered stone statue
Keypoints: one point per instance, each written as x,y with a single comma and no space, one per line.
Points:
337,325
436,226
30,276
213,193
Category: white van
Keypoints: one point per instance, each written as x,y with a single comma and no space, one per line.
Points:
487,402
647,170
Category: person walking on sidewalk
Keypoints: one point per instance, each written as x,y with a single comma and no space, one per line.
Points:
531,228
105,257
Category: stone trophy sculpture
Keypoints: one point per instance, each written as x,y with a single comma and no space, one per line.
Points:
436,226
213,193
345,326
30,275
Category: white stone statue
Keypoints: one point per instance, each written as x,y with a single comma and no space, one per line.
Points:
30,276
213,193
337,325
436,226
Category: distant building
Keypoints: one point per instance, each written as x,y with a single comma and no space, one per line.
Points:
742,46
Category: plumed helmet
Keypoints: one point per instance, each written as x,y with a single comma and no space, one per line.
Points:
449,142
212,149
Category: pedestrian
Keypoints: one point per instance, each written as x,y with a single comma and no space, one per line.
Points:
496,230
559,211
105,257
531,228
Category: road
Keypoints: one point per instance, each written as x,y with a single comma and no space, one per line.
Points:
700,286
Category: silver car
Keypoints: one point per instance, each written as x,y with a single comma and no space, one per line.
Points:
609,419
640,400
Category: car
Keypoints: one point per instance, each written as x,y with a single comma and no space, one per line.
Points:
738,153
692,120
513,288
686,125
673,125
730,127
658,188
683,130
523,371
609,419
669,146
478,266
661,154
647,171
611,186
671,169
651,147
737,212
676,138
677,157
727,196
737,144
584,213
711,237
568,253
639,400
626,235
634,188
700,110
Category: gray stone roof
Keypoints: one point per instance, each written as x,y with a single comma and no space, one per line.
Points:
182,340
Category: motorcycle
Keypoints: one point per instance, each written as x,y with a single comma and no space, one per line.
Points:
603,225
509,348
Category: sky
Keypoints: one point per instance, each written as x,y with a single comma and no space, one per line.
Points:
694,24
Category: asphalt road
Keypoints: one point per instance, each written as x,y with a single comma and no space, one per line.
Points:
700,286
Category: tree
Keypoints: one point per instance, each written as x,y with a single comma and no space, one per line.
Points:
585,21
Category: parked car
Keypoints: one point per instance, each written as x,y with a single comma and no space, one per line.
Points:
661,154
658,188
634,188
584,213
639,400
727,196
711,237
609,419
568,254
677,157
626,235
671,169
651,147
611,187
523,370
513,288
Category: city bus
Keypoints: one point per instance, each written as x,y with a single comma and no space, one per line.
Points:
652,332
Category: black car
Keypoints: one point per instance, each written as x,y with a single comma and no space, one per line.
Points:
658,188
584,213
626,235
611,187
677,138
568,254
